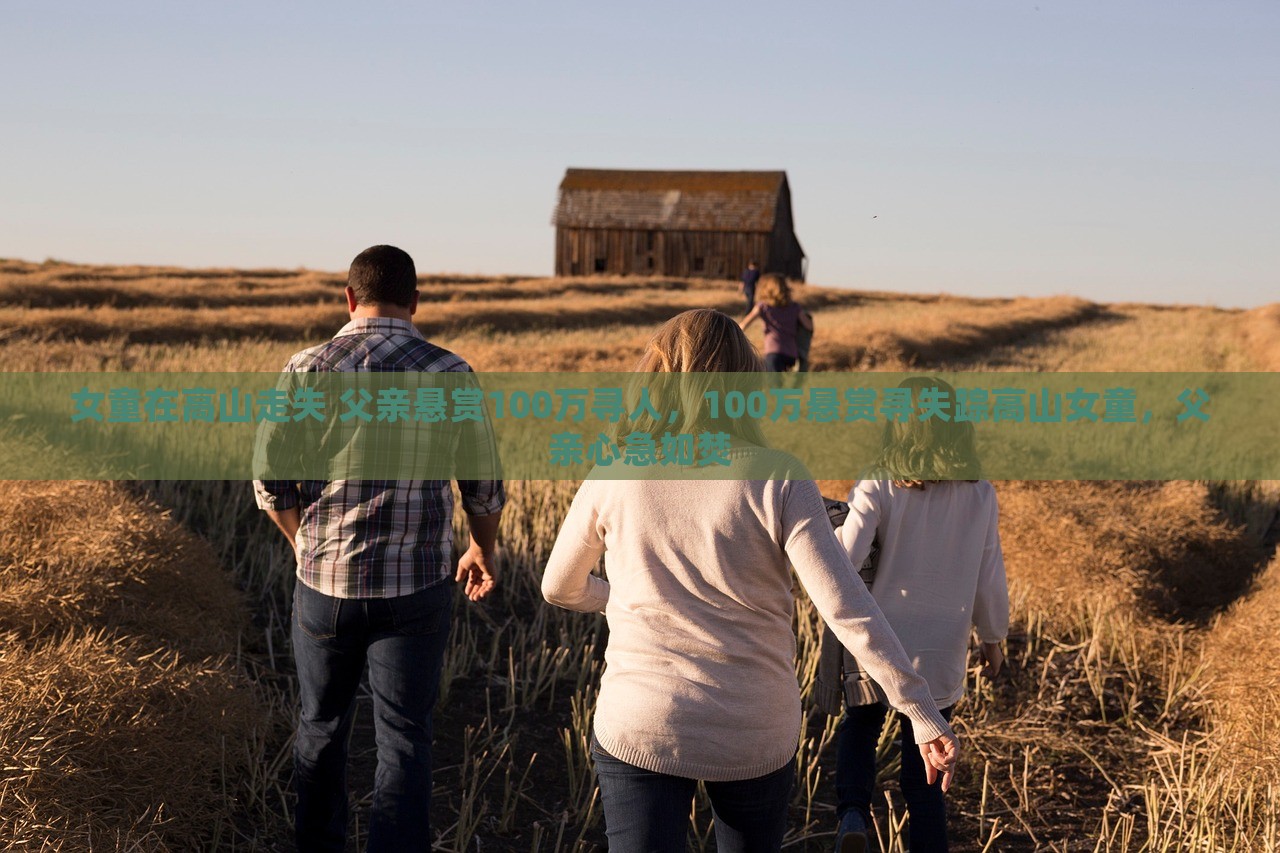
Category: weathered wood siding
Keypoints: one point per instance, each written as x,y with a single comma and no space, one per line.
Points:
617,251
679,223
785,254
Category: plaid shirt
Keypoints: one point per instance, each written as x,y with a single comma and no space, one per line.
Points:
377,538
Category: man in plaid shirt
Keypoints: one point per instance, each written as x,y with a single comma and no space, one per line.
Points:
373,583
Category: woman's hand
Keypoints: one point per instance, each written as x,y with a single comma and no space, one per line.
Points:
940,756
992,659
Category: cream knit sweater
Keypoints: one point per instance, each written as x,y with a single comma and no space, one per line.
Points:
940,572
699,674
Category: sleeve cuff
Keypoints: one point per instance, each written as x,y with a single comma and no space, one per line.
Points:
484,502
275,494
929,726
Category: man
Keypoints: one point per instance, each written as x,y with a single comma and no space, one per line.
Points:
373,561
747,288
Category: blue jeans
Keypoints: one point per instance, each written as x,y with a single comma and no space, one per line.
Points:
776,362
403,641
647,812
856,776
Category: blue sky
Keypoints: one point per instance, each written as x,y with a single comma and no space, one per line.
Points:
1114,150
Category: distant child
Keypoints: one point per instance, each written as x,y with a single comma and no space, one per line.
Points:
747,287
939,574
783,319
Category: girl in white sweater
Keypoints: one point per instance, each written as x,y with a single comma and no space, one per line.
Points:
939,574
699,682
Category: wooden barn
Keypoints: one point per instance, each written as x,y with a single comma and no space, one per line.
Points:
705,224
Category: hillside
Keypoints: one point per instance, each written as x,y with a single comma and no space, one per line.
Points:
1140,708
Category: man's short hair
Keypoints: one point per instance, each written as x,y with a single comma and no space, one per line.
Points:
383,274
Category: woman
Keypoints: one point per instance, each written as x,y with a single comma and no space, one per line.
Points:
699,680
784,319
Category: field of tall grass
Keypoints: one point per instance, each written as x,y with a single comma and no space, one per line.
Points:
146,666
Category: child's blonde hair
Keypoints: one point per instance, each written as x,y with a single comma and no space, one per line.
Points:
774,290
923,450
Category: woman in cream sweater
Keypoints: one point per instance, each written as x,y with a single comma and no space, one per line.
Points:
699,680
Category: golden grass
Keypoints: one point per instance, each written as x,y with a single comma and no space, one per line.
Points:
1161,549
127,721
1262,336
22,354
1151,551
1129,338
1243,653
1132,669
160,305
163,323
1124,559
67,317
1242,648
608,332
898,334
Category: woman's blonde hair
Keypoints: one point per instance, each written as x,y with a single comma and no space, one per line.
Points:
699,341
928,446
773,290
703,342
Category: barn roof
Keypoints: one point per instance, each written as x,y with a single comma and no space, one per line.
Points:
669,201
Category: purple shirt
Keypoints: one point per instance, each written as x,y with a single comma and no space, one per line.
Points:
780,326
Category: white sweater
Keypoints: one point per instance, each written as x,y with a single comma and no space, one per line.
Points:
940,571
699,674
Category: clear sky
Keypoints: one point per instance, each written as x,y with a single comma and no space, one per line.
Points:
1115,150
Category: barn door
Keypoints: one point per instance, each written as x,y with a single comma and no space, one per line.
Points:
600,251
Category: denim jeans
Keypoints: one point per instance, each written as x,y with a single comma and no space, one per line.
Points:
776,362
856,776
647,812
403,641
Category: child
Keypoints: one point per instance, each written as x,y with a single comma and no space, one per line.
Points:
939,573
784,319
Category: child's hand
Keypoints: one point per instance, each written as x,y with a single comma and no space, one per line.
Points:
940,757
992,659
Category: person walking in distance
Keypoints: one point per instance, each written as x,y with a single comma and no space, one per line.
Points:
373,582
747,288
783,318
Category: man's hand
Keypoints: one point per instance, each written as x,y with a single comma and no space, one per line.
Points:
992,659
940,756
476,569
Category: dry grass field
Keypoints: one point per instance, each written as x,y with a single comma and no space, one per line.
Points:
146,671
130,719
